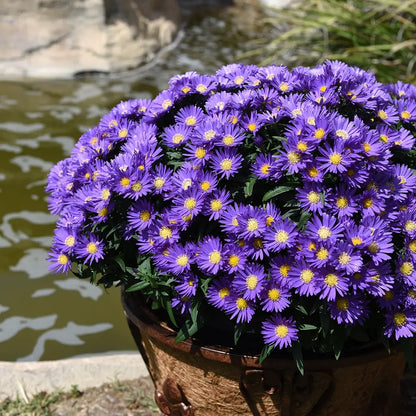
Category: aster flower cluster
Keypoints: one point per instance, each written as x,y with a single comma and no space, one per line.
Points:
283,200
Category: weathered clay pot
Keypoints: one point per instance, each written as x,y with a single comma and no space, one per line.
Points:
201,380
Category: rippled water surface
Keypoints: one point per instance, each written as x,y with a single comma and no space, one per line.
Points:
45,316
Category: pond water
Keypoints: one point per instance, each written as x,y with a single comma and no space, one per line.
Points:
45,316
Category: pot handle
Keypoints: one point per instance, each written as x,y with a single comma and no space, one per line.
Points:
172,401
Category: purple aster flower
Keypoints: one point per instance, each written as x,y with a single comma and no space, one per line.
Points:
407,269
274,296
280,266
252,222
249,282
60,261
64,239
346,258
400,323
312,172
291,160
311,198
336,159
236,257
197,154
90,249
349,309
342,202
378,278
210,255
255,248
176,135
331,284
185,178
189,116
381,247
324,229
164,231
187,285
179,259
229,219
226,162
303,279
141,215
357,235
218,291
239,308
189,203
216,204
263,166
182,304
230,136
207,182
161,179
279,331
319,255
281,235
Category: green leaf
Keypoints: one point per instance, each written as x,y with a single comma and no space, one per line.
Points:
307,327
276,191
248,187
298,357
238,330
406,345
138,286
304,218
171,314
265,352
120,262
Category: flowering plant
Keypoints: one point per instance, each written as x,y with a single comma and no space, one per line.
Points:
283,201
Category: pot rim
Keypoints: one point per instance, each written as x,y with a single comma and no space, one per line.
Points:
160,332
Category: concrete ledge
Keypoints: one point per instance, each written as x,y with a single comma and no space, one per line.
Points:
25,379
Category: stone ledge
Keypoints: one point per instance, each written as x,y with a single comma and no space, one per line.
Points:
29,378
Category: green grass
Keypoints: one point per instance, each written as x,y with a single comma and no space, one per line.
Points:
39,405
377,35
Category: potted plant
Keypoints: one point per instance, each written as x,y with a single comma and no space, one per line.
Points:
265,211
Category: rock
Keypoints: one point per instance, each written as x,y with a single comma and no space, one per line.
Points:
61,38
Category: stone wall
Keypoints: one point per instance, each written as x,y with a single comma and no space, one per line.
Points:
61,38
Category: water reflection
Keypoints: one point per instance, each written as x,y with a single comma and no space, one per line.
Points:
46,316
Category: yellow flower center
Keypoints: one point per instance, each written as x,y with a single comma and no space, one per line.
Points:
331,279
234,260
283,86
166,104
252,127
342,304
241,304
367,203
165,232
200,152
158,182
201,88
342,134
399,319
63,259
70,241
145,215
136,187
251,282
222,293
273,294
239,80
105,194
335,158
122,133
205,185
367,147
412,246
182,260
265,169
384,138
302,146
216,205
178,138
269,220
186,89
313,197
296,112
313,172
258,243
190,121
382,114
306,275
311,121
356,241
103,212
405,115
92,248
226,164
322,254
284,270
293,157
228,140
281,331
281,236
344,258
190,203
214,257
406,268
389,295
252,224
342,202
373,248
324,233
319,134
209,135
125,182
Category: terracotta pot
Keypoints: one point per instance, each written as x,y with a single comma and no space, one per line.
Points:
192,379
